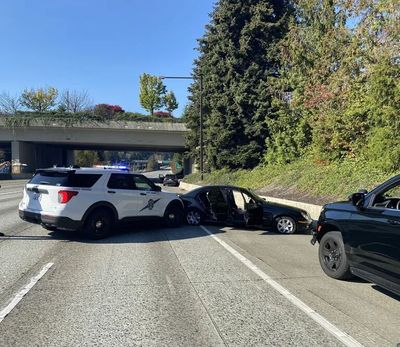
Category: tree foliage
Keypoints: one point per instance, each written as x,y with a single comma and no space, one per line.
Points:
152,92
86,158
40,100
9,104
74,101
107,111
238,59
170,102
152,163
340,66
284,80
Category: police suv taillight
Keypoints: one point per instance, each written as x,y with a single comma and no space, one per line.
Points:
66,195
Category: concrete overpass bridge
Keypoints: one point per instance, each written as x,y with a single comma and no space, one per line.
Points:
43,144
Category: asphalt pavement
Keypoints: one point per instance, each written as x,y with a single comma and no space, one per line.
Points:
153,286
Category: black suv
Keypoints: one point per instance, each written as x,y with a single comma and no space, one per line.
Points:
361,236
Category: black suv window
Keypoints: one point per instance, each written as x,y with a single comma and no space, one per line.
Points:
121,181
65,179
142,183
388,198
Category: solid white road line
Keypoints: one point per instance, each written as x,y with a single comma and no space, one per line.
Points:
335,331
18,297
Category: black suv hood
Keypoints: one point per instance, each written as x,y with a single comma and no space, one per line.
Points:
338,205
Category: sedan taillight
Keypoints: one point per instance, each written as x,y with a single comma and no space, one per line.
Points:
66,195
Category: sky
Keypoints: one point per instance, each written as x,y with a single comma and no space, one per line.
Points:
101,46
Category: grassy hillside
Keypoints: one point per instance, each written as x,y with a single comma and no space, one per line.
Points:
304,180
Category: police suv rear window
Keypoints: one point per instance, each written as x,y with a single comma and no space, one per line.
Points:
65,179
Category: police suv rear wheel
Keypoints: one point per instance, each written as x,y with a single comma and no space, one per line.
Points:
98,225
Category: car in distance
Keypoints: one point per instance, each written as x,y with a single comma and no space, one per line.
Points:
241,207
171,180
94,200
361,237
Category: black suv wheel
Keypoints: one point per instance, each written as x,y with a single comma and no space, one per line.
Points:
332,256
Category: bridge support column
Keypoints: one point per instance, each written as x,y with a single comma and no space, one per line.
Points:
23,157
188,166
69,157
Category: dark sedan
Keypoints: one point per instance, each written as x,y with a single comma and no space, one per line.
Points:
171,180
240,207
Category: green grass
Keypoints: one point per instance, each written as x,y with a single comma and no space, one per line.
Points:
318,179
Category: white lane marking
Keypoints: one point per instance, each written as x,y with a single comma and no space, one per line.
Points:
345,338
18,297
13,192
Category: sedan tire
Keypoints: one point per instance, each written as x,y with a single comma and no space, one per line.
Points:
193,217
285,225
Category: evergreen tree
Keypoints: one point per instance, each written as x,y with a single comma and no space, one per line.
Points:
238,59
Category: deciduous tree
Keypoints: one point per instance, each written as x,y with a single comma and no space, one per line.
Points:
152,92
9,104
39,100
74,101
170,102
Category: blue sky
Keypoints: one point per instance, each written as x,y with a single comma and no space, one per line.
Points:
101,46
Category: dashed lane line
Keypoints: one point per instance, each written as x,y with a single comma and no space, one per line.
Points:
18,297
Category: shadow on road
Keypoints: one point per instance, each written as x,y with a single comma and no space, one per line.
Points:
137,233
386,292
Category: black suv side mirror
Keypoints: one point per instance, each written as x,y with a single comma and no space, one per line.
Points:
157,189
358,199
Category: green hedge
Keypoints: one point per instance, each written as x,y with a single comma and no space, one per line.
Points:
69,119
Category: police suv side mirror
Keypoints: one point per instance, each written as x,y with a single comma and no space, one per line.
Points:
157,189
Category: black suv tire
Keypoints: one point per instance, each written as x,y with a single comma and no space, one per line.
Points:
332,256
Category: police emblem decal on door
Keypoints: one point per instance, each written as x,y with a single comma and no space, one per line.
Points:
150,204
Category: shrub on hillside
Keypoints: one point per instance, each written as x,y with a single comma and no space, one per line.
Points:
162,114
107,111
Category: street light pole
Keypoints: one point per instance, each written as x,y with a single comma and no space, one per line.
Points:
201,129
201,116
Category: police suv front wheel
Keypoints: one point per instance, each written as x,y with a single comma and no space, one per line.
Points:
173,216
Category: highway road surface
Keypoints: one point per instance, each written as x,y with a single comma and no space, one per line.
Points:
191,286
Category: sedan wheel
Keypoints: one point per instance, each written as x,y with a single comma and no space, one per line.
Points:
193,217
285,225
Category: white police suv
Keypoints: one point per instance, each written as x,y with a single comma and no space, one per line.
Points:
94,200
